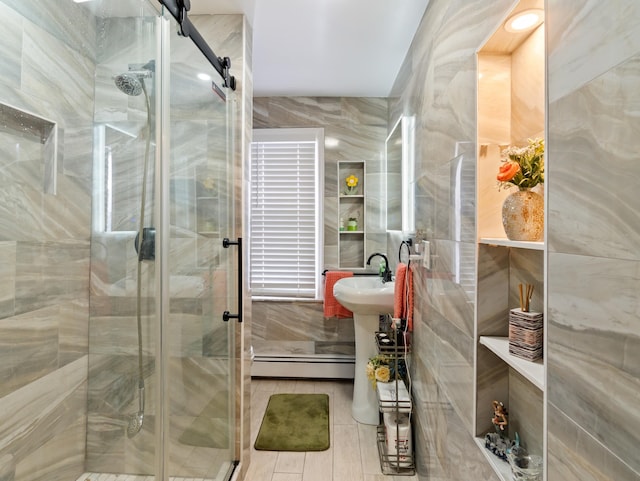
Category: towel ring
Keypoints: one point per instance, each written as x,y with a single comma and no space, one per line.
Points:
408,244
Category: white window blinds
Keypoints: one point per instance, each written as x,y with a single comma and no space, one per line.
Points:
286,213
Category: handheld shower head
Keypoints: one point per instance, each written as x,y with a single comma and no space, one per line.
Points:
136,419
135,424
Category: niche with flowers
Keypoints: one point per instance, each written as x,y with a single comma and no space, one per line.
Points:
351,214
511,130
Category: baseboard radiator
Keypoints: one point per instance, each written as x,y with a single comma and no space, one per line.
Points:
316,367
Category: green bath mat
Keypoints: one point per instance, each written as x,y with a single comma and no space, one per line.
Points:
295,422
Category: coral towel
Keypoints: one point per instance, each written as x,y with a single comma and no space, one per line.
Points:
403,294
398,292
332,308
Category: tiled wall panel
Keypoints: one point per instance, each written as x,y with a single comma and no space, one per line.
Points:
594,234
437,84
360,126
47,56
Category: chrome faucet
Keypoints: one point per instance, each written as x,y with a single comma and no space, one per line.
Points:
386,274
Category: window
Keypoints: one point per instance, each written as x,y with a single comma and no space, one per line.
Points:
285,254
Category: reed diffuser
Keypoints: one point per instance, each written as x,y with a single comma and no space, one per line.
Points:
525,327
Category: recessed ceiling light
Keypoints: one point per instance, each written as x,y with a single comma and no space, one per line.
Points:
330,142
204,76
525,20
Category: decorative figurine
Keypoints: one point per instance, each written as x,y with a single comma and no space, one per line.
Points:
499,417
498,443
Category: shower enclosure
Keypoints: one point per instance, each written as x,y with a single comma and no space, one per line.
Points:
116,146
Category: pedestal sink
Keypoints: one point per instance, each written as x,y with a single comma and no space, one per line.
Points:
367,297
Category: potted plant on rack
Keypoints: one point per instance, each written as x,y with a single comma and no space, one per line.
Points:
383,368
523,211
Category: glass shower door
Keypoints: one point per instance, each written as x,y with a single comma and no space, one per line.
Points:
122,410
202,280
161,386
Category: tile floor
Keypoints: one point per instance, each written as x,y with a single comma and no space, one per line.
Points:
353,455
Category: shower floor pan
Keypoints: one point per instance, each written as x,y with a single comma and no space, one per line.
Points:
132,477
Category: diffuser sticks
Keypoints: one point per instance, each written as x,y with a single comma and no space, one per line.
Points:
525,298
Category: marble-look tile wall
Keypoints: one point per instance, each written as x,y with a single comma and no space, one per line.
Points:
360,127
47,55
593,240
437,84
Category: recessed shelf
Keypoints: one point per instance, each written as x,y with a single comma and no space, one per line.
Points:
501,468
33,128
531,370
499,241
351,243
511,107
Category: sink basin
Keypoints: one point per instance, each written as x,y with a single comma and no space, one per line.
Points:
365,295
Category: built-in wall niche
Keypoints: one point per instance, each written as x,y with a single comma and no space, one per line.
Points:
33,139
511,100
352,223
511,110
207,201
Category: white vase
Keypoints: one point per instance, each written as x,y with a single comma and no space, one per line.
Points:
523,216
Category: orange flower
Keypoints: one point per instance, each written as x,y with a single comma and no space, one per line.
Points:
508,170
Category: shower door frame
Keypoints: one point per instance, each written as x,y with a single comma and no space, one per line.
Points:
162,188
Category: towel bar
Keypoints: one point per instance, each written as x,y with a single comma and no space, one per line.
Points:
357,273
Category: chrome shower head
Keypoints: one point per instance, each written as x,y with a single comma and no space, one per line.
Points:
132,82
129,83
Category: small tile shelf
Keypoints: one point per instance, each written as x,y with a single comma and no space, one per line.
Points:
504,242
531,370
501,468
38,130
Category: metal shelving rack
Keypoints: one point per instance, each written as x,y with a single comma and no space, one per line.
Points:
400,464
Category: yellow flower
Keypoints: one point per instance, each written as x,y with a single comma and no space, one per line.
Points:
208,182
383,374
352,181
370,371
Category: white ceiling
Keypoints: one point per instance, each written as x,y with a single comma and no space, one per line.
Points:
324,47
